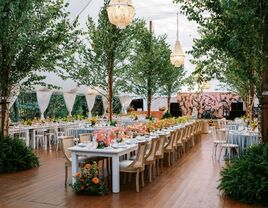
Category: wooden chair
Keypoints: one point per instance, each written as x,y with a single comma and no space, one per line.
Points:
180,145
85,137
175,144
66,143
137,166
159,155
228,146
150,158
169,148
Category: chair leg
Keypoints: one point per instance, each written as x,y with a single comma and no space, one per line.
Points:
66,174
137,181
150,173
142,178
168,159
157,167
129,177
125,178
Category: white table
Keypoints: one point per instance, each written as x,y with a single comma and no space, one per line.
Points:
106,152
113,153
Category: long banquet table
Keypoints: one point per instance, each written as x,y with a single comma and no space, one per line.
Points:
108,152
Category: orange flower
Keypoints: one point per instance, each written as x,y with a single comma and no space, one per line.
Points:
77,175
87,166
96,180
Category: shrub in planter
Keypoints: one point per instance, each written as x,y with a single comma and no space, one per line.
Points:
88,181
246,178
16,156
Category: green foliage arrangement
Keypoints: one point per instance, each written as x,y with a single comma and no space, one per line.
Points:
88,181
246,179
166,115
16,156
113,123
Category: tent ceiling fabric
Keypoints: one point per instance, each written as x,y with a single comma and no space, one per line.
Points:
161,12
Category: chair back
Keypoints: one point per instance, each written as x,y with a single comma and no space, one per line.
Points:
184,131
177,135
161,144
189,131
139,161
40,131
86,137
66,143
171,140
151,155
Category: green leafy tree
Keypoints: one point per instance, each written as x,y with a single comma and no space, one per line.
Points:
35,36
103,55
234,34
171,81
148,61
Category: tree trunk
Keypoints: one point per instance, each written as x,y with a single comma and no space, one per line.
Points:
149,98
4,117
110,88
250,104
168,102
264,100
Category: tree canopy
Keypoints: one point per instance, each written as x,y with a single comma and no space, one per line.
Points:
35,36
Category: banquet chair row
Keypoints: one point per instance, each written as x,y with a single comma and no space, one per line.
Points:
172,146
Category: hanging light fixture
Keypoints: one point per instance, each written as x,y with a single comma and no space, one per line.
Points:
177,55
120,12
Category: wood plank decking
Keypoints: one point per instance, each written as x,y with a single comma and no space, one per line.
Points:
190,183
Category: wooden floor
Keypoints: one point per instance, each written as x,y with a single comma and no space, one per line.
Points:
190,183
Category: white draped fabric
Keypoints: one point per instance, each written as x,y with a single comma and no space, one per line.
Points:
69,98
105,103
90,103
43,98
14,95
161,102
125,102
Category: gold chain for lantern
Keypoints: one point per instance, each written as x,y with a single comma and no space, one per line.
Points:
177,56
120,12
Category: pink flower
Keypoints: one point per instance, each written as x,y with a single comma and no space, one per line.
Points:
111,135
100,137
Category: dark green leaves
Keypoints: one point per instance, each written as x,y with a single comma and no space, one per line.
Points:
246,179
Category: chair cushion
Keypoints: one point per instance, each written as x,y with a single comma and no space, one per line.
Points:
125,164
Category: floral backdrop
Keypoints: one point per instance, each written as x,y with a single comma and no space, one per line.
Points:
214,103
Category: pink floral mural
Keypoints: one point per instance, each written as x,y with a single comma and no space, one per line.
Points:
214,102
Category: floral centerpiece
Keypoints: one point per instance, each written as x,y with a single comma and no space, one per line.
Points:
89,182
253,125
102,140
93,121
134,115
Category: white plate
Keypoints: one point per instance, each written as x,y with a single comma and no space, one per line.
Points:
131,141
117,146
81,145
